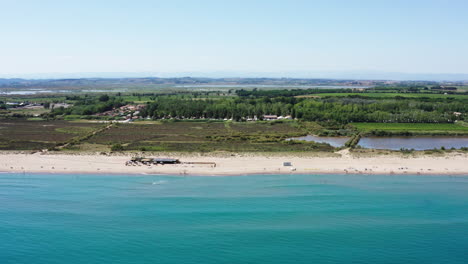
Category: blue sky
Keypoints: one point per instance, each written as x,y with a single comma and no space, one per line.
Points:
233,36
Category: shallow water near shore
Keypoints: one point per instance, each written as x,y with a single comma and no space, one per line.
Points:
54,218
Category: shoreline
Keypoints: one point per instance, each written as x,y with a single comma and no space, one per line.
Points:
240,164
110,174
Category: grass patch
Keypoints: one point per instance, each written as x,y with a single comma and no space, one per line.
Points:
417,128
391,95
75,130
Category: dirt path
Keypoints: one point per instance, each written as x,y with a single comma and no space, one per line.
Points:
88,136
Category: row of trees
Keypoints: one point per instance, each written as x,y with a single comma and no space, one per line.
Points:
90,106
224,108
296,92
343,110
339,109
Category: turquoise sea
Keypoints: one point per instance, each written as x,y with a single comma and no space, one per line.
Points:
54,218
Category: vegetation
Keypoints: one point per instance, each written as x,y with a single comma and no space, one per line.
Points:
376,105
338,109
117,147
23,134
353,141
229,120
382,129
396,95
89,105
207,136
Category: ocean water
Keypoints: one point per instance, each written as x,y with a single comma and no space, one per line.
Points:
244,219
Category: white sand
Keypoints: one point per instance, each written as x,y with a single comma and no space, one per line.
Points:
237,165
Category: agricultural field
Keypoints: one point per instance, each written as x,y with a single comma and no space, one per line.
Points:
465,88
204,137
23,134
201,136
35,98
24,111
417,128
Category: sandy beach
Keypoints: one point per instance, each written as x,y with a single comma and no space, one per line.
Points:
240,164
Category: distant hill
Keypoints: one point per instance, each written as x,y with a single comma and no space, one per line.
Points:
310,75
154,82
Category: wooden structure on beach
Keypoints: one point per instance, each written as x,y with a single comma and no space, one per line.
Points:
151,161
201,162
162,161
165,161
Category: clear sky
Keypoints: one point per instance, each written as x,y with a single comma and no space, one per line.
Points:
411,36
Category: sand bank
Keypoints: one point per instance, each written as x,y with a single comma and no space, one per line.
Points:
237,165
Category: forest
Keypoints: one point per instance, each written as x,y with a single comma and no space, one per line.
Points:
340,109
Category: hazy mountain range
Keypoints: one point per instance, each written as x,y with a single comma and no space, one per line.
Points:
347,75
